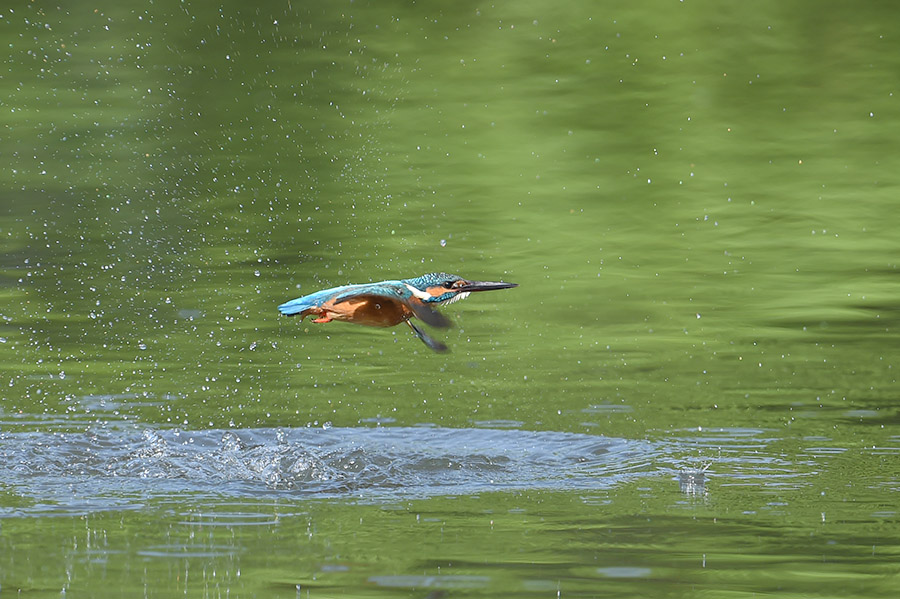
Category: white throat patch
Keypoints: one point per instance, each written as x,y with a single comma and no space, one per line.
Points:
456,298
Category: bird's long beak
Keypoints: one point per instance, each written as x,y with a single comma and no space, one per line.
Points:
485,286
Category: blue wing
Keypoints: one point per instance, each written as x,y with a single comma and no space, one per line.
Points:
386,289
398,293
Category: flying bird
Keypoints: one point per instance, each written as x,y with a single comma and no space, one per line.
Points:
388,303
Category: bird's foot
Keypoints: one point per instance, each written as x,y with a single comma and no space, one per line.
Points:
323,319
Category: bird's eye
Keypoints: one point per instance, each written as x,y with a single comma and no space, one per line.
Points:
449,285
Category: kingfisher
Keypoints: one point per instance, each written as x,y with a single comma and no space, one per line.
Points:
388,303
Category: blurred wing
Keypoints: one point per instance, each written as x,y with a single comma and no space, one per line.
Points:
389,293
433,344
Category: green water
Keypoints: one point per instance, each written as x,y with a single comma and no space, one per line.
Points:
697,199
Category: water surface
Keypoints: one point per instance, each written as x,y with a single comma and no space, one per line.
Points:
693,389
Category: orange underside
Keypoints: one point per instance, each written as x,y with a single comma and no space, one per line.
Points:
383,313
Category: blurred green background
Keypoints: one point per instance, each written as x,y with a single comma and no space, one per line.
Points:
698,200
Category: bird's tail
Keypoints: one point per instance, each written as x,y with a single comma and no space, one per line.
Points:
297,306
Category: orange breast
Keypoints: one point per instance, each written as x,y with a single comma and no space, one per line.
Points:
369,312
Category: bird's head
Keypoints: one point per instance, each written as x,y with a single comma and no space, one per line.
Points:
443,288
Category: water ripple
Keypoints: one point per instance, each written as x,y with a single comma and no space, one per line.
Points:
117,469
